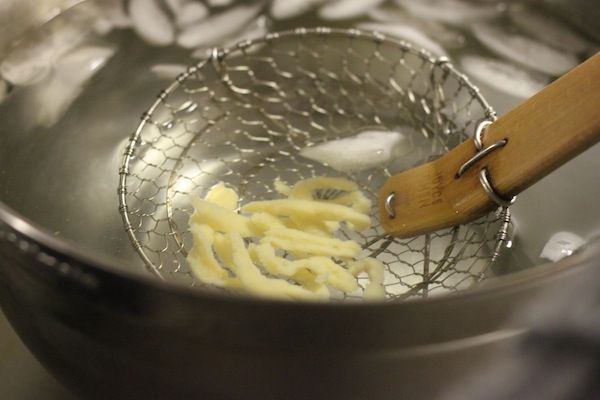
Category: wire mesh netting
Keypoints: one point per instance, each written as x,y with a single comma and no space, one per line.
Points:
243,116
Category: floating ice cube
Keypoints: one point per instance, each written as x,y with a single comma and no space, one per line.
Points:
503,76
175,6
443,35
219,3
525,51
167,71
52,97
29,72
32,62
390,14
561,245
346,9
408,33
110,16
284,9
455,12
79,65
365,150
218,27
190,13
151,22
256,29
547,29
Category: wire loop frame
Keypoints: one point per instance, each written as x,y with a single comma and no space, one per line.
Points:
242,115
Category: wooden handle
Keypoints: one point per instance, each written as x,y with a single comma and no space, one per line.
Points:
543,133
547,130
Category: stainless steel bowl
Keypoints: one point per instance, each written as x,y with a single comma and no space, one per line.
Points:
79,297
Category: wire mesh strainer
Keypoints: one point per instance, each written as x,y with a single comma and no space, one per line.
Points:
243,115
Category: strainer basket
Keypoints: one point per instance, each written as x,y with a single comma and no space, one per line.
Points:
243,115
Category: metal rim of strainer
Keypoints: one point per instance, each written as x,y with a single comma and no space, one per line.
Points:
217,54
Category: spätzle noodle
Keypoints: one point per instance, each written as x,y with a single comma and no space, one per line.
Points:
284,248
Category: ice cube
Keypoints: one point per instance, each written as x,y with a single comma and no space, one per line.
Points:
218,27
79,65
175,6
190,13
525,51
561,245
32,62
111,15
52,98
285,9
167,71
219,3
365,150
346,9
503,76
455,12
443,35
408,33
25,72
257,28
151,22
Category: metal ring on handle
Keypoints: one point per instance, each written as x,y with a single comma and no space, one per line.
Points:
484,179
389,205
478,138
